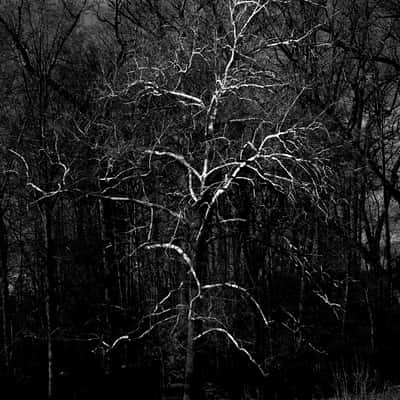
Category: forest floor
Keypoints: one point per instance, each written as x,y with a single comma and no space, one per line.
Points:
389,393
214,393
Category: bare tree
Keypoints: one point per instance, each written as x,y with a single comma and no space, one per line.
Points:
38,33
213,116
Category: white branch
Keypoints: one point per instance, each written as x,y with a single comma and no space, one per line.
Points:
151,86
183,254
236,344
128,337
44,193
325,299
243,291
198,102
141,202
294,41
153,326
165,298
116,341
185,163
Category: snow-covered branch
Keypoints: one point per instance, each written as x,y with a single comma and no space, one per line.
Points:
245,293
236,344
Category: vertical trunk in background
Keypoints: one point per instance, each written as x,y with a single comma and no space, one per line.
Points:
199,264
386,203
353,264
345,301
346,261
300,311
50,301
103,238
371,320
111,277
189,361
301,241
200,249
388,251
269,294
4,288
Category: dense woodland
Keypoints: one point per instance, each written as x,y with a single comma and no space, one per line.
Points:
199,199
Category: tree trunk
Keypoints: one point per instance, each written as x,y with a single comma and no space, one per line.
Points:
112,282
4,288
371,321
189,363
199,260
345,301
50,302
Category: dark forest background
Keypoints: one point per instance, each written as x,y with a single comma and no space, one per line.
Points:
199,199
